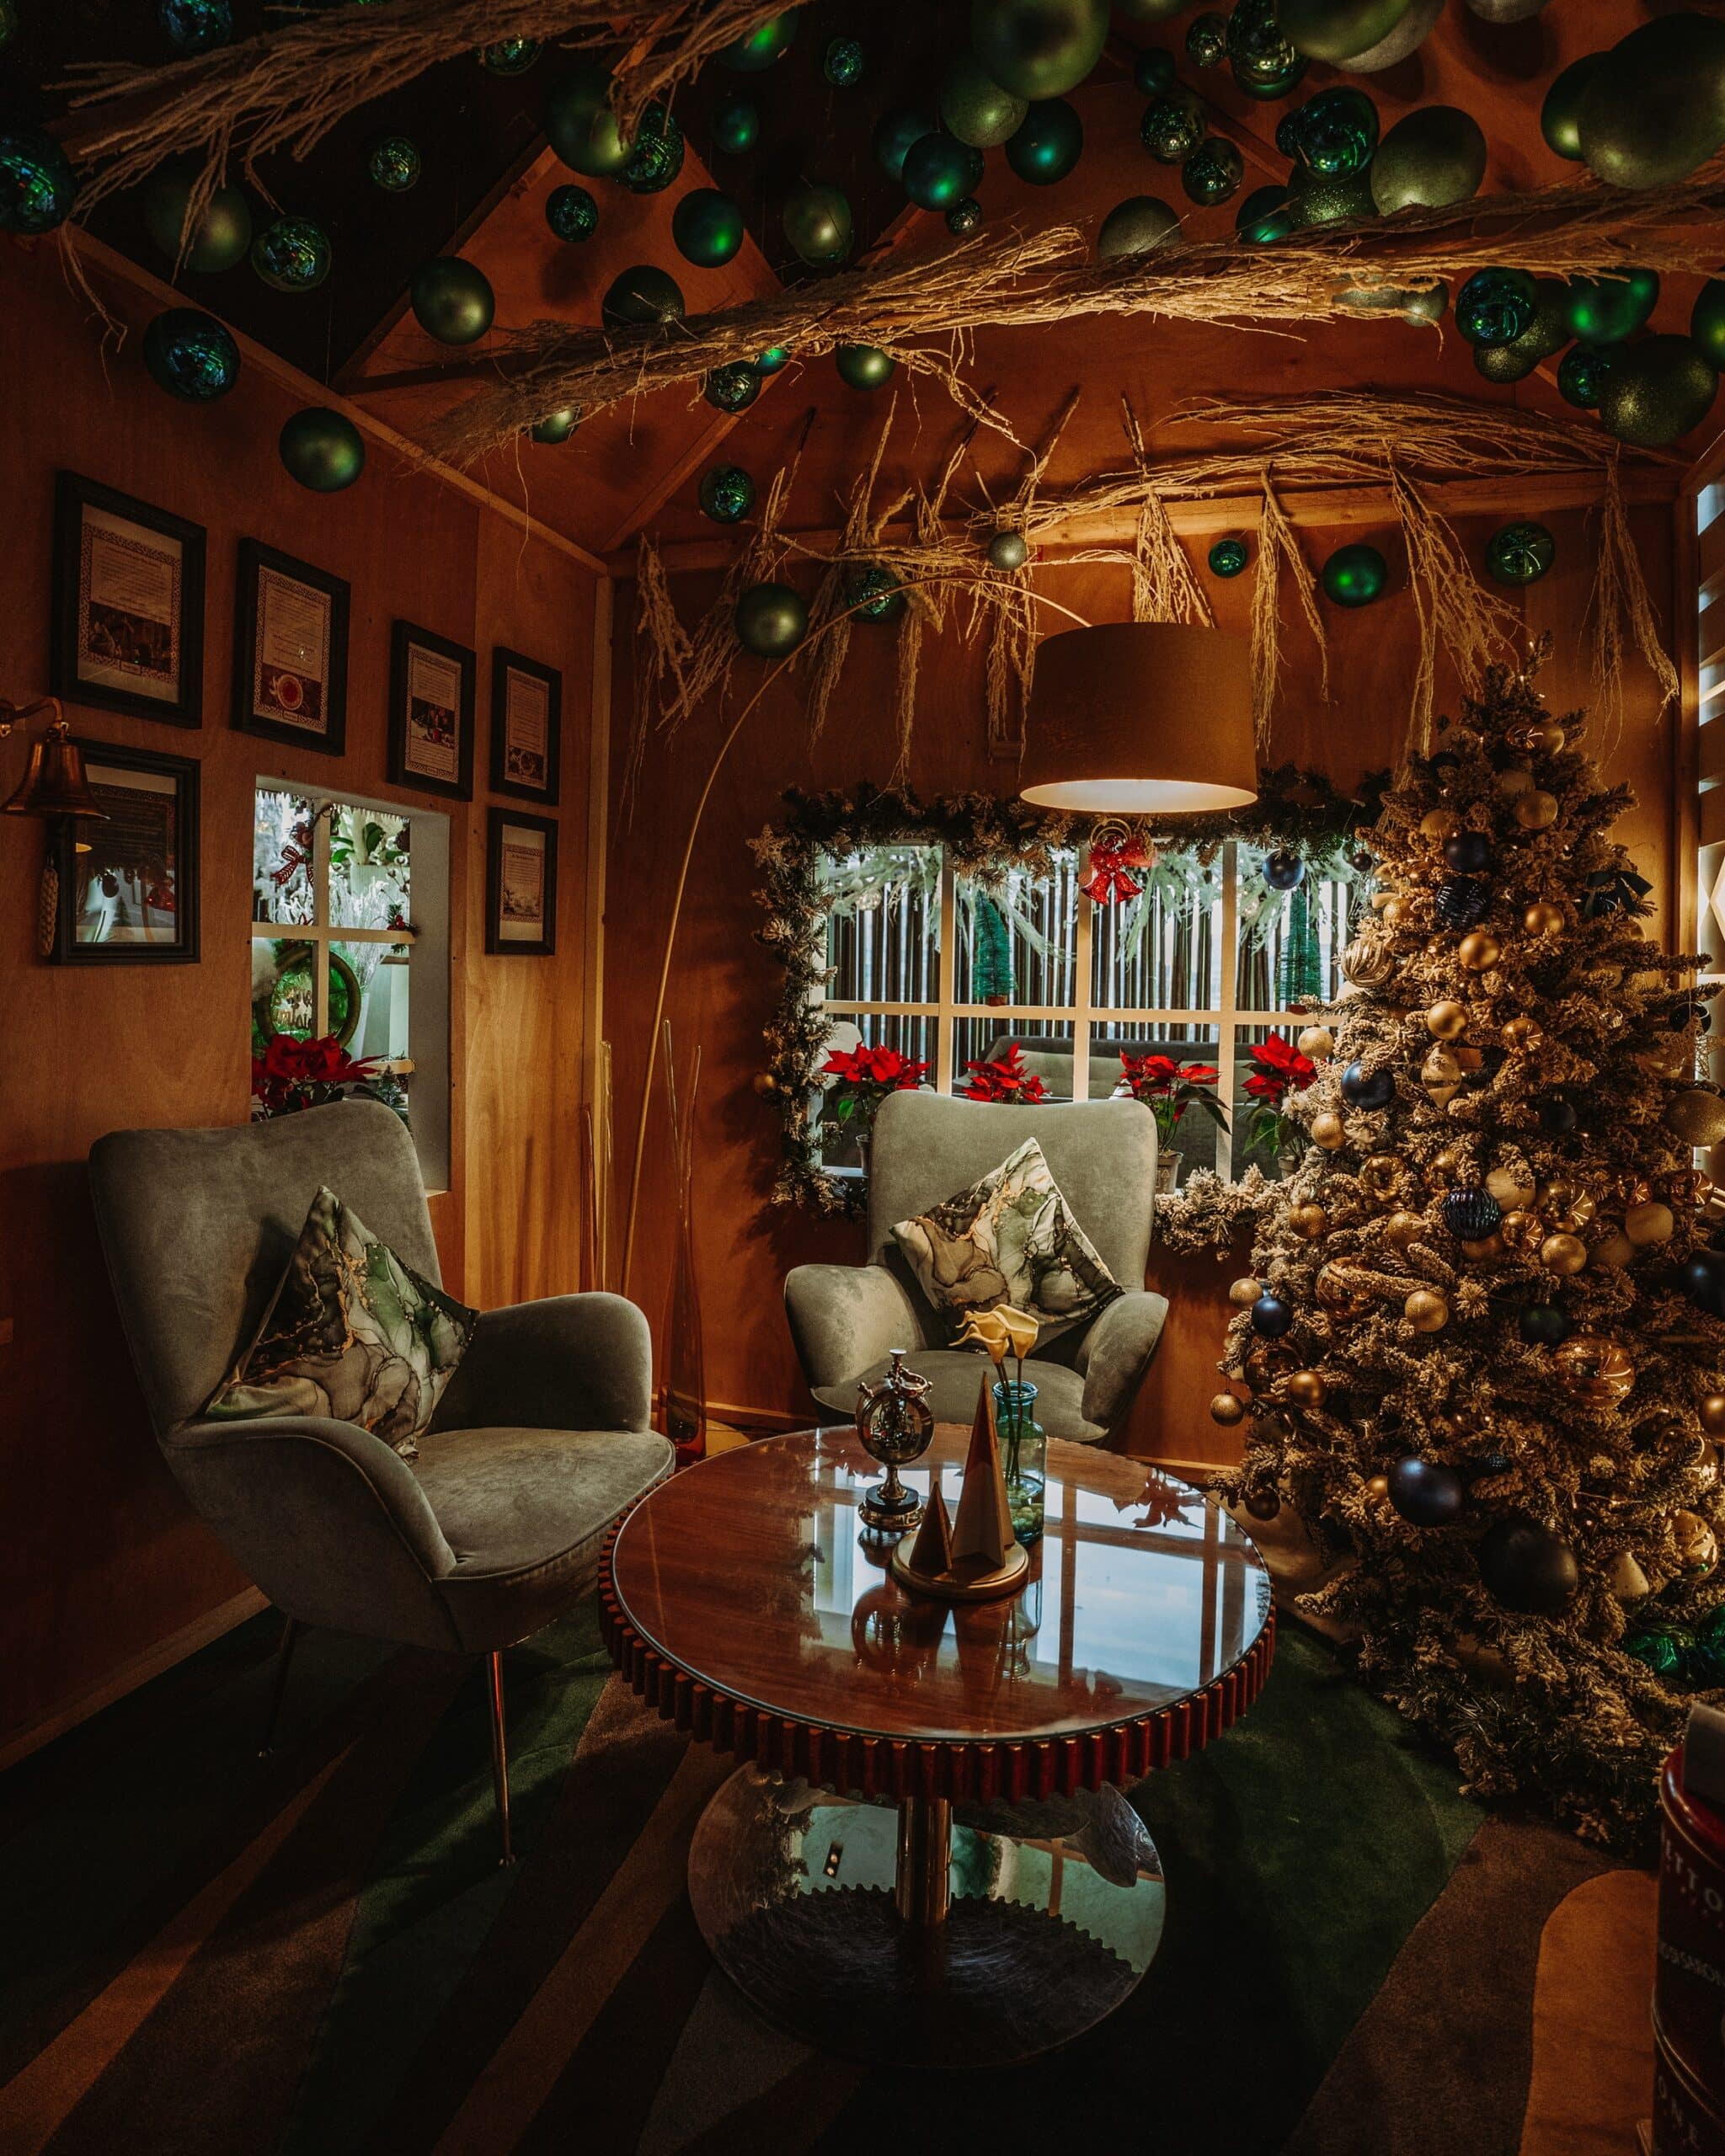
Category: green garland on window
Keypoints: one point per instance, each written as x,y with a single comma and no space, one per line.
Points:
987,837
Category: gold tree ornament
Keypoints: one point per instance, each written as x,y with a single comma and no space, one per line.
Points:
1612,1253
1479,951
1594,1370
1566,1205
1694,1544
1712,1414
1227,1408
1307,1388
1376,1489
1343,1286
1316,1043
1627,1581
1649,1223
1697,1117
1243,1293
1446,1168
1517,778
1439,825
1483,1249
1542,918
1512,1187
1367,963
1426,1310
1562,1254
1521,1229
1536,811
1447,1020
1518,1033
1440,1073
1383,1176
1326,1131
1308,1222
1403,1230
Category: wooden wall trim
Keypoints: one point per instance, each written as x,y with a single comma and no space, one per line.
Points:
598,856
1685,732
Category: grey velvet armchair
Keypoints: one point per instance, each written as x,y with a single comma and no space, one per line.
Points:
846,1319
540,1441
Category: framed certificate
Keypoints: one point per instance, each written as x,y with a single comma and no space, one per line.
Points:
431,713
289,651
128,626
129,880
526,724
520,883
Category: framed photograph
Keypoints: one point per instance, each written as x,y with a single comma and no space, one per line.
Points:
431,713
129,883
289,651
526,727
520,883
128,627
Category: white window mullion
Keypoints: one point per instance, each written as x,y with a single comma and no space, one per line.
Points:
320,917
944,1060
1082,989
1228,1015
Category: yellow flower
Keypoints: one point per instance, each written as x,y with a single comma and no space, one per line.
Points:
1021,1329
986,1329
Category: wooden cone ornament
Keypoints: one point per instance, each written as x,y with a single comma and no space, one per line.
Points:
932,1544
981,1559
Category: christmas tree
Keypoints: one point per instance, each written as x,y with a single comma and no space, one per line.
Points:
1485,1335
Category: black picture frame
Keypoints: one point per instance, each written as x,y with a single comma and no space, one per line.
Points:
504,662
102,759
407,641
75,673
256,562
499,944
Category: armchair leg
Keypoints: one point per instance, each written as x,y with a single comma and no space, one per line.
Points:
291,1630
500,1755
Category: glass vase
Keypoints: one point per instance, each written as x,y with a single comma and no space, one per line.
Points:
1023,1456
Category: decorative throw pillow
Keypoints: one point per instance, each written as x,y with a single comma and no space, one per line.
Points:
1009,1239
351,1333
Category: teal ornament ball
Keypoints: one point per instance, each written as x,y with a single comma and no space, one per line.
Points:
1657,390
1213,172
394,164
1153,73
292,255
863,366
555,426
736,125
37,185
1048,145
872,593
773,358
1337,30
509,55
322,450
1430,159
708,228
191,355
757,49
1560,113
1581,375
642,295
1227,557
221,238
894,134
1520,554
1706,320
580,125
1265,63
1207,40
195,26
842,63
732,387
727,494
1659,1652
1038,48
941,170
817,223
974,107
1656,109
1008,551
1495,306
1265,216
1356,575
1335,133
656,154
1135,226
964,217
1172,126
451,300
1606,309
771,621
1548,332
571,212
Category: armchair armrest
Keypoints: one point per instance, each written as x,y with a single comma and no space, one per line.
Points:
565,1363
1115,1353
845,1317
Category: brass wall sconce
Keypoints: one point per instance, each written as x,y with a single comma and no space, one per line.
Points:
56,787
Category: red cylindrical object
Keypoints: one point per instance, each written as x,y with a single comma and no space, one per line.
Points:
1689,1983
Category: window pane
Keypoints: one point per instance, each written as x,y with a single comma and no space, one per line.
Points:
373,977
1290,943
281,855
369,864
883,924
913,1038
1046,1047
1250,1149
1017,941
1197,1139
1162,951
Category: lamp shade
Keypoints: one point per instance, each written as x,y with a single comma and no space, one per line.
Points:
1134,719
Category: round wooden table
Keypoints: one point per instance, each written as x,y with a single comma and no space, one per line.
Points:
926,1859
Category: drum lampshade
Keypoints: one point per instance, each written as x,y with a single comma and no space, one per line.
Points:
1134,718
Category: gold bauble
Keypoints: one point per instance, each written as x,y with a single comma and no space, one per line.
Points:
1402,1229
1447,1020
1518,1032
1440,1073
1244,1292
1394,910
1568,1205
1326,1130
1426,1310
1542,918
1612,1253
1446,1168
1596,1371
1483,1248
1650,1223
1667,1056
1534,811
1627,1581
1382,1176
1341,1287
1536,736
1512,1187
1517,778
1307,1388
1437,824
1697,1117
1316,1042
1696,1545
1712,1414
1367,963
764,1083
1564,1253
1377,1489
1311,1221
1227,1408
1479,951
1521,1229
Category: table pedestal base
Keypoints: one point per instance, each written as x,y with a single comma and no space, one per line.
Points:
923,1934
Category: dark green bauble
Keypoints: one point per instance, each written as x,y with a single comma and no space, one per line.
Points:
1038,48
1356,575
1265,64
452,301
643,295
322,450
509,55
872,593
772,360
842,62
221,236
37,184
975,108
1657,392
292,255
1706,322
1424,303
580,125
1495,306
1008,550
1657,109
557,426
964,217
1153,73
1549,332
1048,144
772,621
1410,33
1172,126
1314,201
1560,113
736,125
1337,29
1213,172
863,366
195,26
1520,554
1661,1653
1149,11
1432,158
894,134
1543,1325
1504,363
1227,557
727,494
1335,133
708,227
1265,217
761,46
817,222
732,387
571,212
1526,1568
1135,226
394,164
1704,1663
1605,310
656,155
1581,375
190,355
1207,40
941,170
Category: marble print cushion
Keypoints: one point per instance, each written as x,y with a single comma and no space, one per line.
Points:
1008,1239
352,1333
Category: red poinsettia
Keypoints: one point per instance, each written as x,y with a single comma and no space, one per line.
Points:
295,1073
1004,1079
863,1076
1169,1088
1278,1069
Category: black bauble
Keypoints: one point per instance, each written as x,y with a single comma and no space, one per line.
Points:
1526,1568
1425,1494
1461,902
1283,870
1703,1281
1271,1316
1367,1089
1558,1116
1469,853
1470,1216
1543,1325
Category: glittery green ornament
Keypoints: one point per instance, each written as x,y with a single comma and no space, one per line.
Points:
37,185
964,217
191,355
1345,202
1207,40
974,106
1605,310
1659,1652
1356,575
727,494
732,387
872,592
1495,306
643,295
759,48
1656,109
1007,551
1520,554
842,63
394,164
1706,320
708,228
656,155
894,134
863,366
1214,172
1227,557
580,125
1172,126
1338,30
292,255
1430,159
1135,226
1581,375
571,212
509,55
555,426
1660,389
736,125
1048,143
1335,134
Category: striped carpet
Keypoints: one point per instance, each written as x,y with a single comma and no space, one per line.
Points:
315,1955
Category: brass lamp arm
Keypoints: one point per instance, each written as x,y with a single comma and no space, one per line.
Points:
12,714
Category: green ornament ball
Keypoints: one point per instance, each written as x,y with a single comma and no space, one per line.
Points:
974,106
643,296
1659,1652
195,26
842,63
708,228
1135,226
1495,306
1706,320
571,212
1337,30
1213,172
1172,126
1207,40
1605,310
771,621
964,217
1038,48
394,164
1657,390
451,300
221,236
37,184
1581,375
1265,64
580,125
1657,108
872,593
1153,71
773,358
732,387
758,49
1356,575
656,155
817,223
1048,143
1560,115
509,55
727,494
1008,550
1227,557
1423,303
1335,133
1149,11
1430,159
894,134
191,355
1346,201
1520,554
1548,332
736,125
557,426
1504,363
292,255
1265,216
863,366
1409,34
322,450
941,170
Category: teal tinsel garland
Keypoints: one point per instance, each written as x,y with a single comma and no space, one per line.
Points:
991,966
